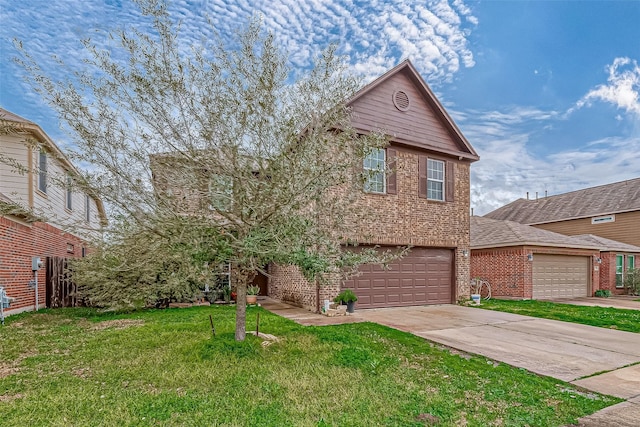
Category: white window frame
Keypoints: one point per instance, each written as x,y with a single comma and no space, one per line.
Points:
42,171
620,271
435,177
374,171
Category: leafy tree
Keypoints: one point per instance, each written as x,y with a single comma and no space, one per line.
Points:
211,153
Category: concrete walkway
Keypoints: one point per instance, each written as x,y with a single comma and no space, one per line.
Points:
567,351
617,301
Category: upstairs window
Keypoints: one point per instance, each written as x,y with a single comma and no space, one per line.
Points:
42,171
220,193
435,179
69,190
374,171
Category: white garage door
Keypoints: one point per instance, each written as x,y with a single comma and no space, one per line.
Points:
560,276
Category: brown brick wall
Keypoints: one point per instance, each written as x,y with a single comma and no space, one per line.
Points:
20,242
398,219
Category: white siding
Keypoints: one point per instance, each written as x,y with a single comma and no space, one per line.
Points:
52,204
13,184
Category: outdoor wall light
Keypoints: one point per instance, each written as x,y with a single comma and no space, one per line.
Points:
599,260
465,253
530,257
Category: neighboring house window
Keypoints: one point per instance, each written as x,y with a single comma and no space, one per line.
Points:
42,174
87,208
619,271
435,179
374,171
69,192
220,193
631,262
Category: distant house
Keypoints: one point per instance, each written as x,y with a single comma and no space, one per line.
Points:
423,203
37,202
526,262
611,211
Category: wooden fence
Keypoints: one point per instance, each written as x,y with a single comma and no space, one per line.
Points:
61,291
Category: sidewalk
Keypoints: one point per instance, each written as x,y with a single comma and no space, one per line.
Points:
614,301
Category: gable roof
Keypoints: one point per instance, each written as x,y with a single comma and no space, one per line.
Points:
466,151
22,125
606,199
493,233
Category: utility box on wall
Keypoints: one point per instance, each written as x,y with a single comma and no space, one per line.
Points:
36,263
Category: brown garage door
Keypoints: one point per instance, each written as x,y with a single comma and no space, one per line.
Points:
424,276
560,276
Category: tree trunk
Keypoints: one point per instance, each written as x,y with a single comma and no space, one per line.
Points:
241,279
241,307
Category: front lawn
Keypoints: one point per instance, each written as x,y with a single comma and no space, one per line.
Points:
162,367
605,317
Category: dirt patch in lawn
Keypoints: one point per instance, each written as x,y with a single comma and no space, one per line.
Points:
7,370
4,398
117,324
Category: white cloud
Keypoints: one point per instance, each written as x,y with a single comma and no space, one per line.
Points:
509,168
622,89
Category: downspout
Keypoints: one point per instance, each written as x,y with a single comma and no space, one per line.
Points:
36,279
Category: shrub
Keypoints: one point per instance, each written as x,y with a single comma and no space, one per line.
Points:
345,296
632,281
603,293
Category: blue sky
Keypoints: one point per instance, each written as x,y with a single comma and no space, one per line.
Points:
546,91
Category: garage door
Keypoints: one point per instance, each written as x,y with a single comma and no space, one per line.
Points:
424,276
560,276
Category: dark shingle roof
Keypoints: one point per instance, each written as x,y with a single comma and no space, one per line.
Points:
608,245
490,233
618,197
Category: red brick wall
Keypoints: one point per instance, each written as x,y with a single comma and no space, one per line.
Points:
507,270
608,271
20,242
511,274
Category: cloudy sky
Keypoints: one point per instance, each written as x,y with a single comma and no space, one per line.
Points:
546,91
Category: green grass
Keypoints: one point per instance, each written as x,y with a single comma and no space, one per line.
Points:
75,367
605,317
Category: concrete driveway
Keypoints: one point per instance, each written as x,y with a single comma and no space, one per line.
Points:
566,351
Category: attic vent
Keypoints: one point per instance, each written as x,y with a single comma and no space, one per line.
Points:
401,100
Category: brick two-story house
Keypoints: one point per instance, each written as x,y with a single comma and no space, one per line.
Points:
38,206
424,203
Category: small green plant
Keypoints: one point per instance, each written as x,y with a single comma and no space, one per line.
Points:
253,290
345,296
603,293
632,281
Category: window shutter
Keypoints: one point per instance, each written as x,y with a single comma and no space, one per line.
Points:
450,182
392,177
422,176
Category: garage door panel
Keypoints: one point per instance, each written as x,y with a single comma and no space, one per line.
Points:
424,276
560,276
